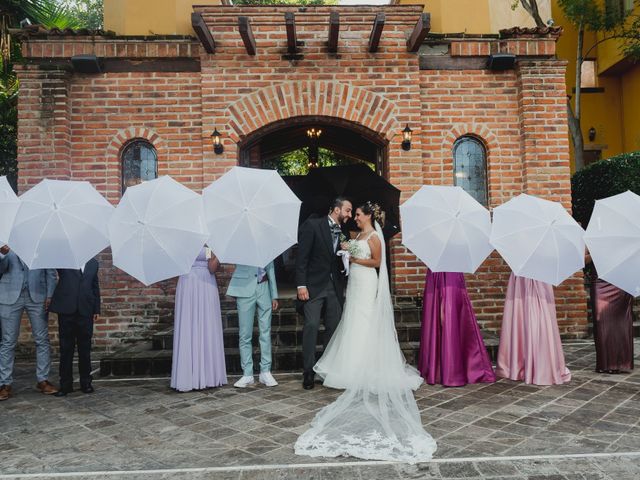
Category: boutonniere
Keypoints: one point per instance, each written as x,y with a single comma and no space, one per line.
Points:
342,238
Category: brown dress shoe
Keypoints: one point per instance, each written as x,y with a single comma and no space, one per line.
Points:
46,388
5,392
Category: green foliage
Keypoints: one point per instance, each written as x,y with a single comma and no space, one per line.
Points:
49,13
608,17
56,13
87,13
9,117
631,33
296,162
587,13
603,179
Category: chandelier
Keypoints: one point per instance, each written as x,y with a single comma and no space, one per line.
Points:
314,133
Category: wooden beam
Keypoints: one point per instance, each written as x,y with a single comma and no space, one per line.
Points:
292,41
247,35
376,32
419,33
203,33
334,31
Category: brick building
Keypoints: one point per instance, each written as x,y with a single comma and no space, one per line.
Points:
252,82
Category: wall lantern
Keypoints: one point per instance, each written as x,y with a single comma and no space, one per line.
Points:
217,144
406,138
592,134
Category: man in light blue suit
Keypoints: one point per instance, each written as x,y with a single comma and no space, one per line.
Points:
31,290
254,289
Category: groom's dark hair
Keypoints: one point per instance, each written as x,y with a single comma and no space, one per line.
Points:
337,203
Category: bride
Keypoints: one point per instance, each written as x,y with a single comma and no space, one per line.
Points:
376,417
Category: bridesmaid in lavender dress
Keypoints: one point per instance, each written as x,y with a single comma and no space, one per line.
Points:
452,351
198,350
530,348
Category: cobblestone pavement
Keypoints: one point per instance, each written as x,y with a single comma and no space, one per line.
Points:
139,428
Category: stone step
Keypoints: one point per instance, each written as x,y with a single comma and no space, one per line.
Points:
287,335
141,359
287,316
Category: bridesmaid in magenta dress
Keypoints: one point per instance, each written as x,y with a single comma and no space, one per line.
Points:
530,347
198,350
452,351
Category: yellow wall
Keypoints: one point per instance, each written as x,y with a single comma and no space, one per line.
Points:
444,21
630,115
151,17
502,16
477,16
613,113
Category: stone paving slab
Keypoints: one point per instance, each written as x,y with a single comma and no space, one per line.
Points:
507,430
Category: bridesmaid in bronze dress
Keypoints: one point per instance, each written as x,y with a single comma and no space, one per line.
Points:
612,324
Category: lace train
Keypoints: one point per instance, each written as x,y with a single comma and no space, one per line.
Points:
372,426
376,418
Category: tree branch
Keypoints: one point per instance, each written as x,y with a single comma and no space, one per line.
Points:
586,54
531,6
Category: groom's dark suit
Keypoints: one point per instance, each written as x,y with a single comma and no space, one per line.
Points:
318,269
76,301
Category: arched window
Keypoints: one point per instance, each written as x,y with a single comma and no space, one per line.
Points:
470,167
139,163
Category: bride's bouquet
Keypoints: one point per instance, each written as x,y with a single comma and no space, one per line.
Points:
353,250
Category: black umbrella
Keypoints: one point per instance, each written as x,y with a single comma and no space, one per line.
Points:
358,183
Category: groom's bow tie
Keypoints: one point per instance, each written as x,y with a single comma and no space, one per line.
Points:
335,229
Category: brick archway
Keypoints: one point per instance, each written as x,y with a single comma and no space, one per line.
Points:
127,134
321,98
113,171
479,131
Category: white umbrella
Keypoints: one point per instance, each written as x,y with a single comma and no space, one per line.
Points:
157,230
538,239
252,216
446,228
60,224
613,238
9,204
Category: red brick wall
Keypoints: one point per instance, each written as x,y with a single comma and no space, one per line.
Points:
74,126
520,115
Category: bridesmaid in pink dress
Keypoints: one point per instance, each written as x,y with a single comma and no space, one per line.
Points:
452,351
530,348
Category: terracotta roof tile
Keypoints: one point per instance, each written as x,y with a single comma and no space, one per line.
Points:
530,32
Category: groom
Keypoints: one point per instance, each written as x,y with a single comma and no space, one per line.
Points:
320,280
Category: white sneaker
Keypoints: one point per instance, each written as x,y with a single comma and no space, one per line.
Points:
267,379
244,381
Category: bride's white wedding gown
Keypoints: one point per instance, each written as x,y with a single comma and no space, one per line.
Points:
376,417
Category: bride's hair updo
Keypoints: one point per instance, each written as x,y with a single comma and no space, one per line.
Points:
373,209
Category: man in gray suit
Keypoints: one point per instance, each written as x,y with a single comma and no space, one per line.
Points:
31,290
254,288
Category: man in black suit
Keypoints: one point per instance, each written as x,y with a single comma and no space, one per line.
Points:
320,279
76,300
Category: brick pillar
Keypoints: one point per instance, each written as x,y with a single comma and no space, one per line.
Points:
44,142
545,165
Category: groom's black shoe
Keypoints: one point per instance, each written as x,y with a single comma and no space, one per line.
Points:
308,380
